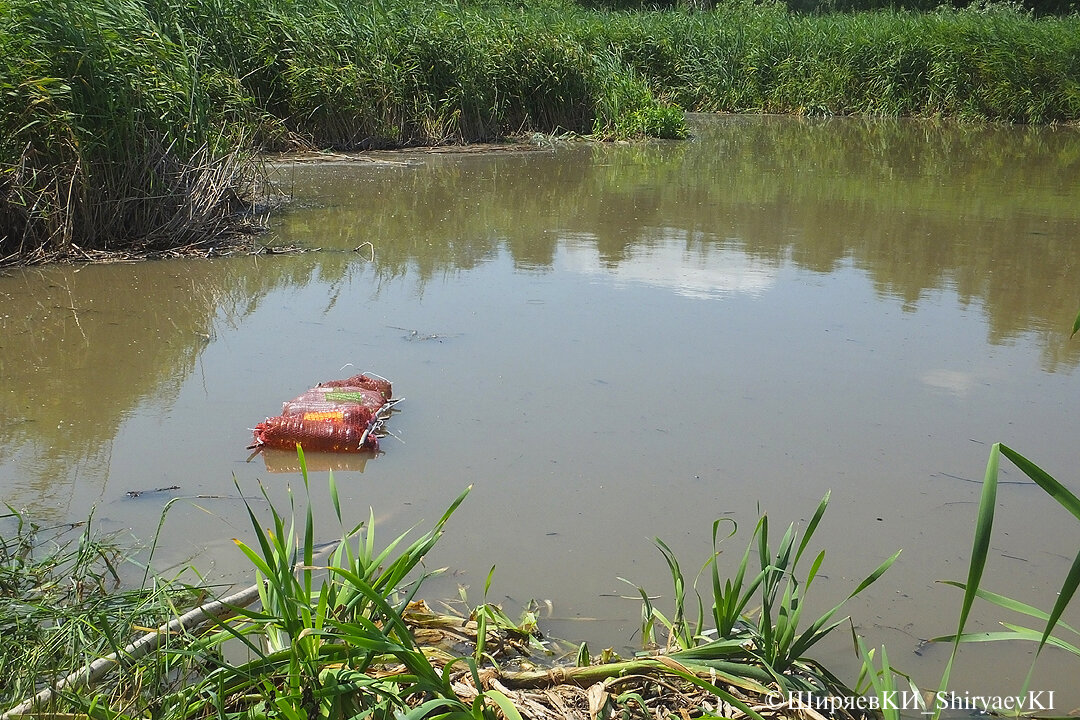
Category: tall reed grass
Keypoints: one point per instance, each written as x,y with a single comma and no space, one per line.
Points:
998,65
131,124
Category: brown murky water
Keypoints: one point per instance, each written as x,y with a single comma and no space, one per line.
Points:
611,343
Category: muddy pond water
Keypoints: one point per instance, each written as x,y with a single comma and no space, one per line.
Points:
611,343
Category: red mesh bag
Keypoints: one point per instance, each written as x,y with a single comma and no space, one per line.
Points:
327,398
287,432
335,416
381,385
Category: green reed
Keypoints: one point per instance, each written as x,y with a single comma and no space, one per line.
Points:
130,124
769,644
61,604
997,65
1051,621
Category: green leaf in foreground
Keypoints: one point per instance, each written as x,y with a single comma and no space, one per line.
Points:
980,547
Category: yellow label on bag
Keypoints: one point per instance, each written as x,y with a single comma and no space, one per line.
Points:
332,415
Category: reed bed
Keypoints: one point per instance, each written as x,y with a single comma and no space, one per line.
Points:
998,64
134,125
131,125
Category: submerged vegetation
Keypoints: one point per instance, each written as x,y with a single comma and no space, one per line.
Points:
133,125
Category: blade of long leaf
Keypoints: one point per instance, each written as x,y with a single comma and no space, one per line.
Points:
379,601
1037,635
369,547
254,557
1015,632
810,528
425,710
814,633
983,527
309,531
1053,488
814,567
1070,502
1014,605
1065,595
504,703
334,499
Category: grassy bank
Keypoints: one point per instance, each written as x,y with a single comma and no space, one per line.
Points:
336,630
132,125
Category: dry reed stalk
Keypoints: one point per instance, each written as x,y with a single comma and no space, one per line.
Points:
146,644
593,691
159,203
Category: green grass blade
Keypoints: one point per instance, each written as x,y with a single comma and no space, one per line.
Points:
812,526
509,711
425,710
334,499
1052,487
1065,595
1070,502
814,568
1013,605
819,630
983,526
1015,632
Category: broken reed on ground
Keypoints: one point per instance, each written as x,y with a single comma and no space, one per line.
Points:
131,125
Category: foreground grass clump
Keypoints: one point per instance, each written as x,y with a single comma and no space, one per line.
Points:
338,632
61,606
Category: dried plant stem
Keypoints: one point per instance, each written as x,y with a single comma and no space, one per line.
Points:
588,675
146,644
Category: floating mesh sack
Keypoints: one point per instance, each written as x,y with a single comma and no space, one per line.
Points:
367,382
335,401
335,416
318,435
337,396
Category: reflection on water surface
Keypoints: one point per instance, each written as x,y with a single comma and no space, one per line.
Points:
612,343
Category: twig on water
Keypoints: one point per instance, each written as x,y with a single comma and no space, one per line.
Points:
370,247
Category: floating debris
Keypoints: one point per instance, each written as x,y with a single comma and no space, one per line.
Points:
339,416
